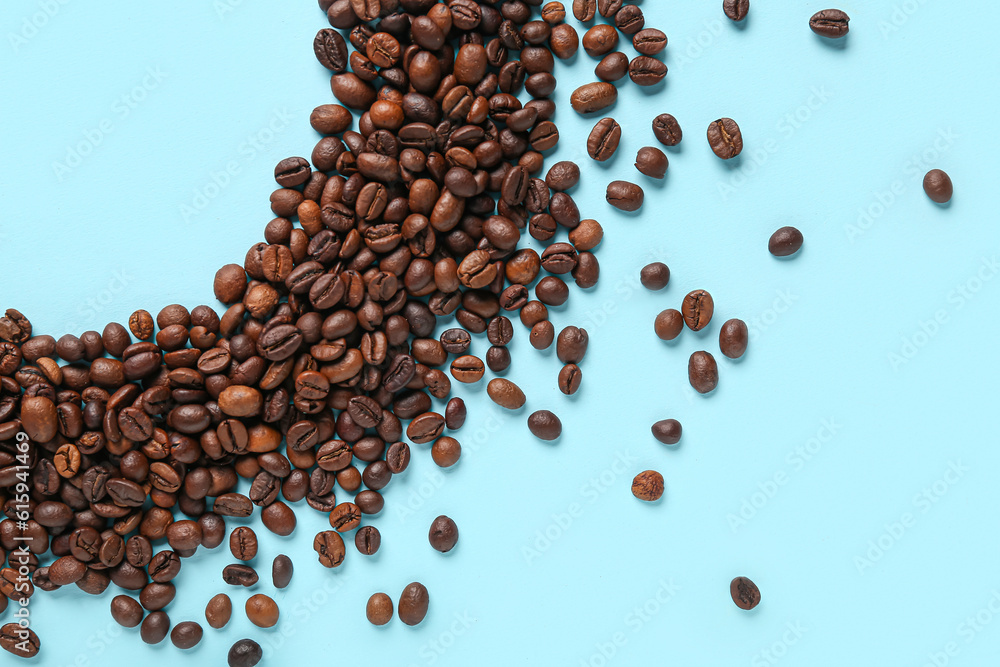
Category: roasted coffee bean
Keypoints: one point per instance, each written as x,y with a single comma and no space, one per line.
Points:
697,308
830,23
22,642
544,425
667,130
446,451
667,431
467,369
454,414
703,372
648,486
668,324
126,611
649,41
262,611
629,19
625,196
655,276
413,603
744,592
155,597
603,140
329,546
218,611
584,10
725,138
542,335
600,40
734,338
367,540
570,378
155,627
938,186
571,345
244,653
443,534
505,393
736,9
345,517
239,575
498,359
379,609
612,67
652,162
331,50
243,543
186,634
562,176
281,571
592,97
785,242
646,71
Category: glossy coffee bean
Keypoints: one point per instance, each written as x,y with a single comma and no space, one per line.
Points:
734,338
830,23
697,309
667,431
703,372
544,425
785,242
725,138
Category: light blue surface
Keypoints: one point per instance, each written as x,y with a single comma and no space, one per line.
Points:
868,546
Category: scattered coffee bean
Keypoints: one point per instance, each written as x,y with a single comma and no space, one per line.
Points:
736,9
243,543
613,67
218,611
697,308
667,431
734,338
446,451
544,425
239,575
625,196
155,627
649,41
281,571
668,324
603,140
703,372
570,378
830,23
443,534
744,592
367,540
646,71
126,611
379,609
262,611
655,276
725,138
413,603
245,653
652,162
571,345
785,242
186,634
938,186
505,393
667,130
593,97
648,486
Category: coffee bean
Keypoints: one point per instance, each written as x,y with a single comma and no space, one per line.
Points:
734,338
649,41
22,642
379,609
243,543
703,372
648,486
562,176
446,451
126,611
244,653
367,540
443,534
600,40
625,196
938,186
498,358
592,97
668,324
655,276
608,8
262,611
329,546
830,23
629,19
652,162
603,140
571,345
736,9
667,130
413,603
505,393
544,425
155,627
542,335
218,611
331,50
697,308
281,571
455,414
345,517
584,10
667,431
186,635
785,242
239,575
612,67
725,138
570,378
141,324
646,71
744,592
468,369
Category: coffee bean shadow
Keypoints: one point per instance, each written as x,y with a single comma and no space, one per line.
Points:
943,206
838,44
741,25
650,183
609,163
658,89
732,164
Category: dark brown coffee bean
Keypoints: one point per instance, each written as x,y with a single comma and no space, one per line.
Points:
736,9
155,627
22,642
281,571
734,338
667,130
646,71
625,196
600,40
652,162
668,324
544,425
667,431
830,23
744,592
655,276
155,597
455,414
562,176
367,540
218,611
186,634
571,345
443,534
703,372
584,10
505,393
592,97
603,140
331,50
246,652
570,378
330,119
239,575
785,242
413,603
629,19
649,41
938,186
697,308
608,8
725,138
612,67
243,543
648,486
379,609
126,611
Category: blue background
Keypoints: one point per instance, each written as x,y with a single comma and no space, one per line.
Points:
857,488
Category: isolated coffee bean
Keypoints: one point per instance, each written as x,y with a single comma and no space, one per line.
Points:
646,71
443,534
744,592
379,609
648,486
262,611
570,378
725,138
413,604
734,338
655,276
667,130
592,97
544,425
830,23
785,242
244,653
938,186
736,9
603,140
652,162
703,372
625,196
505,393
697,308
668,324
649,41
667,431
218,611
